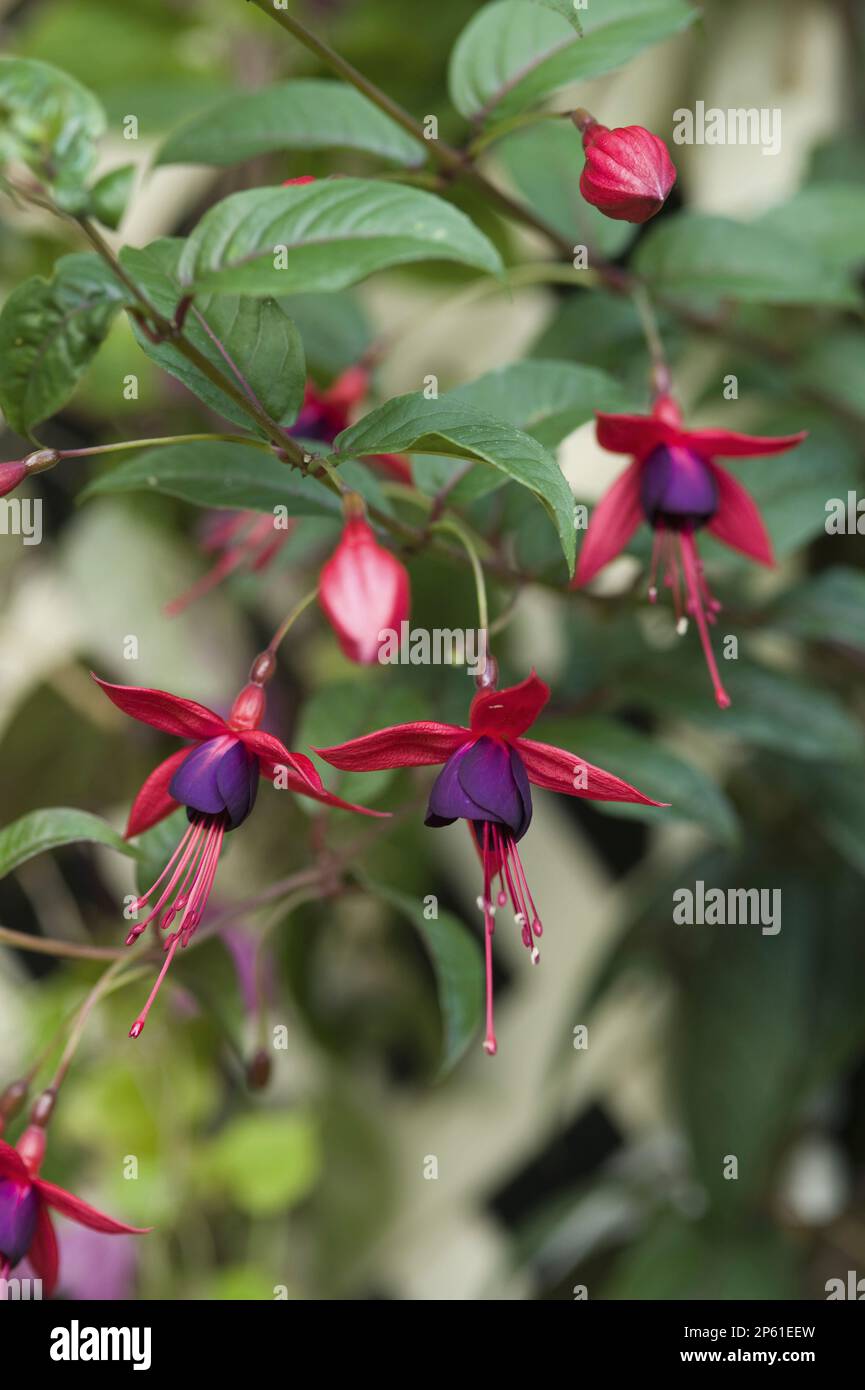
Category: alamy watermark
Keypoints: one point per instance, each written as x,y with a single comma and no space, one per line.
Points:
740,125
22,516
735,907
438,646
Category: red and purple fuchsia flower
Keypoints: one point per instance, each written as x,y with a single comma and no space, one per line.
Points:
676,486
216,780
26,1200
486,780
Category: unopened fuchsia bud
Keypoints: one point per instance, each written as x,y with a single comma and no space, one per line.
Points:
364,589
628,172
14,471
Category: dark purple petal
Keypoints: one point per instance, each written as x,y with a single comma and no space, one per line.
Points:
482,781
218,776
19,1208
447,800
677,486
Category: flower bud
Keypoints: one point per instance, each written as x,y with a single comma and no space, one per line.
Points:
247,711
11,474
628,172
363,589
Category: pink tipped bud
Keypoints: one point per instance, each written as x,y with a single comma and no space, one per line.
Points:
628,173
137,1028
363,590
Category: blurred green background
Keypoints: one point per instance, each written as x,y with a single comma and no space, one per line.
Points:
359,1172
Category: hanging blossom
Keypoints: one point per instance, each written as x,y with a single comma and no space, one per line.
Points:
363,589
216,780
486,780
676,486
249,541
628,173
26,1201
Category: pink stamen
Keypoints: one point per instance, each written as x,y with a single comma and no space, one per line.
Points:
691,567
194,862
490,1044
657,547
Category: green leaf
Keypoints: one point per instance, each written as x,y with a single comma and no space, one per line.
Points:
49,122
829,608
266,1162
773,710
693,253
335,330
836,799
110,195
547,400
325,236
458,967
40,831
545,162
413,424
648,765
512,54
835,368
827,220
568,8
305,114
49,332
257,335
220,475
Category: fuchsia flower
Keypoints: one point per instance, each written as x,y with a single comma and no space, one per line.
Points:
486,780
628,172
217,781
363,589
26,1229
248,540
675,485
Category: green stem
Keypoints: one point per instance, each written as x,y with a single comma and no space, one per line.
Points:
449,524
289,622
163,441
498,131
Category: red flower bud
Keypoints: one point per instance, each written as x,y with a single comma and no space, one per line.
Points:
11,474
628,173
363,590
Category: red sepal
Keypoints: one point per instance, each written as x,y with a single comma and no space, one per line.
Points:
170,713
508,713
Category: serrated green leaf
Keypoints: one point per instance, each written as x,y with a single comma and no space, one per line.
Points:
325,236
693,253
307,113
458,966
50,122
50,828
49,332
413,424
257,335
512,54
828,608
220,475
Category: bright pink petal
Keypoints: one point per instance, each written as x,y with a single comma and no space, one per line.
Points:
153,803
728,444
614,521
404,745
636,435
508,713
43,1251
560,771
738,522
170,713
85,1215
12,1164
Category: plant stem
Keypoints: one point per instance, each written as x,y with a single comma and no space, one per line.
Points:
289,622
164,441
477,568
50,946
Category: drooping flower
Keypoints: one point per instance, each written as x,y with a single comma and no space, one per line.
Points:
249,541
26,1200
489,769
217,781
628,172
676,486
363,589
